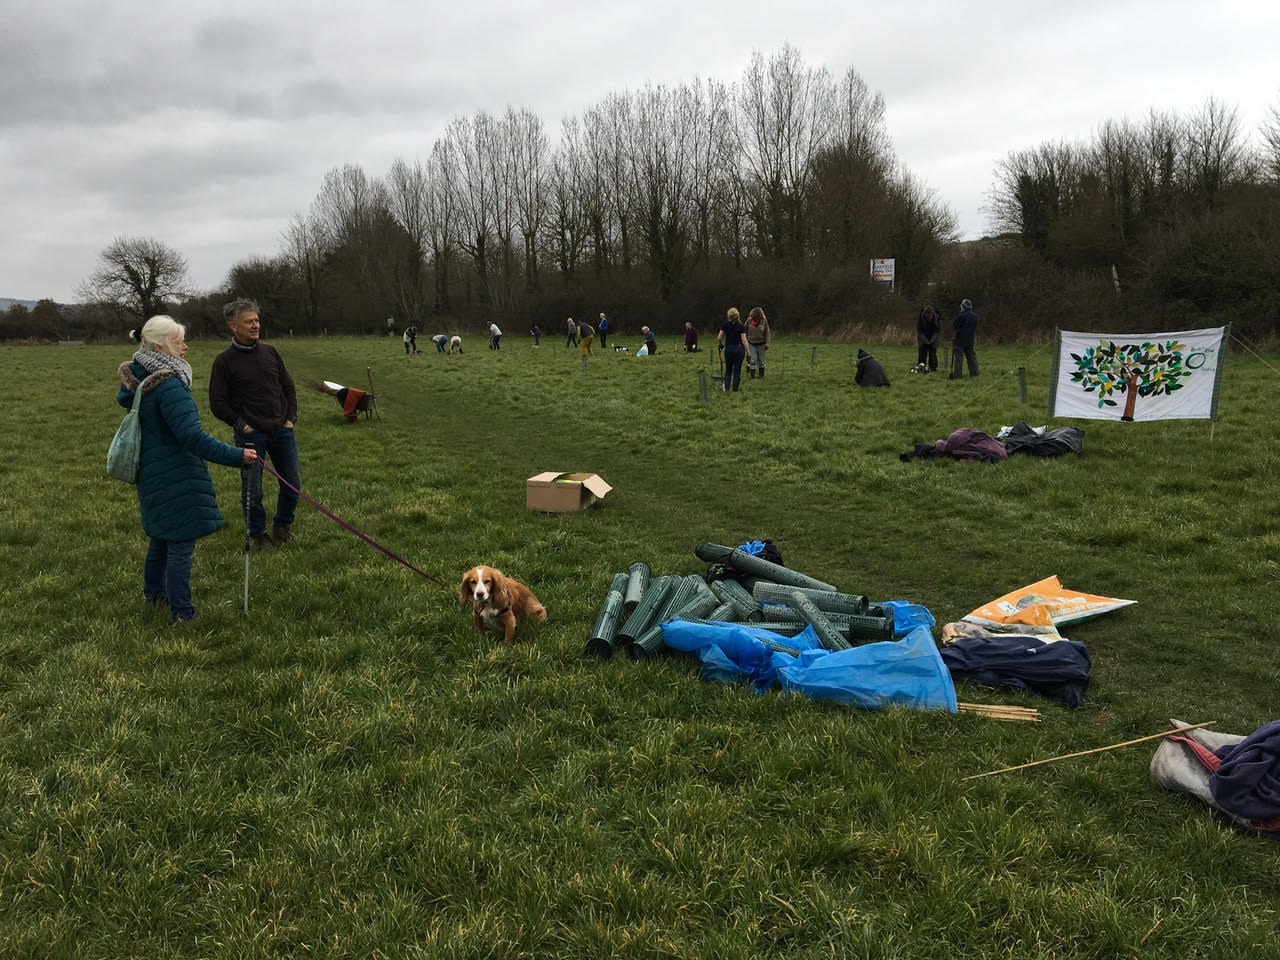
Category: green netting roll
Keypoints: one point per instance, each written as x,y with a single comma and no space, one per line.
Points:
638,577
605,628
646,610
870,628
824,600
701,605
723,613
649,641
732,592
831,638
771,644
716,553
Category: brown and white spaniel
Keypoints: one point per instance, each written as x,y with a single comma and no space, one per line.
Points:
499,602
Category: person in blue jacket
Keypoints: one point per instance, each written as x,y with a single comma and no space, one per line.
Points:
602,328
175,491
966,326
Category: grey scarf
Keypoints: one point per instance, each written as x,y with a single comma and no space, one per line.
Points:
153,360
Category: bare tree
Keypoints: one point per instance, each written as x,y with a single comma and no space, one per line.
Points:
1216,155
137,276
659,160
473,145
304,249
785,111
529,151
407,193
1271,143
1033,189
441,219
709,124
569,217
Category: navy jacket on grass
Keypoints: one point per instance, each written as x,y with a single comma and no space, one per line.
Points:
175,491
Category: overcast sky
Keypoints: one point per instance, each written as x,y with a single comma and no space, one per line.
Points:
206,125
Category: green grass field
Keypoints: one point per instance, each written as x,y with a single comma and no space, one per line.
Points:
352,771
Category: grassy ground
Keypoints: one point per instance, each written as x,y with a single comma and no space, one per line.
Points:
352,771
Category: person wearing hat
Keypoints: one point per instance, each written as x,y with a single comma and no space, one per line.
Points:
966,326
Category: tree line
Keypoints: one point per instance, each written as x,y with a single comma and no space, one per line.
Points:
657,205
1171,219
667,204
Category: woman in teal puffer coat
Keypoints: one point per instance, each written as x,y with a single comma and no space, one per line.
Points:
175,491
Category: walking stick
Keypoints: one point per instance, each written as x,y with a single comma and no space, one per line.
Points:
246,483
373,397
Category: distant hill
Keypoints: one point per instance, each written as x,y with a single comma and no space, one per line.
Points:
7,302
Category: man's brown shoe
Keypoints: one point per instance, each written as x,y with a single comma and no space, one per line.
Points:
262,541
282,532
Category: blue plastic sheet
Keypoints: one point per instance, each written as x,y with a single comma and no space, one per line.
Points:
907,616
907,672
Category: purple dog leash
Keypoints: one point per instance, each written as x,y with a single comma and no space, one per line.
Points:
346,526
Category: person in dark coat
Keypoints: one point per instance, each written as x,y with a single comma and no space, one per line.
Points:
733,337
175,492
966,327
928,336
251,391
870,372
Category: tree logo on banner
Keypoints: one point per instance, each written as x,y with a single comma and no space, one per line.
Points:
1146,370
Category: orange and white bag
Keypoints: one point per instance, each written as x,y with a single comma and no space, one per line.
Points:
1045,603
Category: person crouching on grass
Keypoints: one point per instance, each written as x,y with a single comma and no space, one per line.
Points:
175,492
586,336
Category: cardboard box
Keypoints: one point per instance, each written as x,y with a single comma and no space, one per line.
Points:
563,492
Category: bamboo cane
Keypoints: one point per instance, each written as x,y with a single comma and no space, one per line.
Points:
1001,712
1085,753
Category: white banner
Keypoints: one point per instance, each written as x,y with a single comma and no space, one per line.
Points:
1138,376
882,271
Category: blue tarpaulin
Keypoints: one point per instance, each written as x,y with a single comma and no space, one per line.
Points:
907,672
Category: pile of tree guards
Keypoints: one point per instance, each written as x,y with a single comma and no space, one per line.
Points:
782,600
773,624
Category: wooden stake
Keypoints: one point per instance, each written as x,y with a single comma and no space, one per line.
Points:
1085,753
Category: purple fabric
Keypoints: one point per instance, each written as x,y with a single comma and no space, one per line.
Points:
1247,782
969,444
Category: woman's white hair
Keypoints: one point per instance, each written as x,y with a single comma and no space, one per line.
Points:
159,329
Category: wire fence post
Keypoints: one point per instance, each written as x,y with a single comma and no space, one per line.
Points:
702,385
1022,384
813,356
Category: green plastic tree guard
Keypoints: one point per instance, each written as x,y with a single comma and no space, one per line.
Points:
638,577
824,600
605,628
870,628
716,553
646,611
702,604
732,592
648,642
830,637
771,644
723,613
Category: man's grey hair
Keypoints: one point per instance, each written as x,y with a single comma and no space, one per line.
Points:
238,306
966,304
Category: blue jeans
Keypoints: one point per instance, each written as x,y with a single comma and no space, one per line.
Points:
733,357
282,450
167,575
